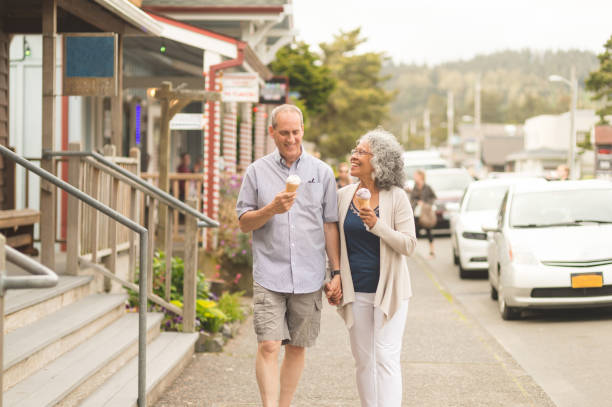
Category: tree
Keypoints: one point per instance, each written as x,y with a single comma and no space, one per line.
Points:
307,76
357,104
600,82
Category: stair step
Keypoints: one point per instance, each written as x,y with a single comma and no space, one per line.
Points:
166,358
23,307
78,372
31,347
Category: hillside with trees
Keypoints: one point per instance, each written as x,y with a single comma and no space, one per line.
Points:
514,87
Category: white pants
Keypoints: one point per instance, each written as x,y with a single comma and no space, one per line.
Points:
376,348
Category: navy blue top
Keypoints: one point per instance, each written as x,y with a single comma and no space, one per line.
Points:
363,250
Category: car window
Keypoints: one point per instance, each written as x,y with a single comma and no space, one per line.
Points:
485,199
554,207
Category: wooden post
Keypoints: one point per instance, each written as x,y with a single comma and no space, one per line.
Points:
151,226
2,273
190,276
47,190
117,102
169,248
111,262
163,156
73,233
134,206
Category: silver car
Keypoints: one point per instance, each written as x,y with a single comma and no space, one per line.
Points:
479,205
551,247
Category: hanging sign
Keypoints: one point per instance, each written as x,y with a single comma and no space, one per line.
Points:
275,91
240,87
187,121
90,64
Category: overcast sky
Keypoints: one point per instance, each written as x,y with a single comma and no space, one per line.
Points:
433,31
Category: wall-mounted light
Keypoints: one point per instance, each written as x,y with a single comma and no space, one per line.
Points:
27,51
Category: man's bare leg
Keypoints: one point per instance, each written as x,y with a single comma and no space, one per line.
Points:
266,371
291,370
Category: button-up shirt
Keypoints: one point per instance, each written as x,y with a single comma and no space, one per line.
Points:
289,250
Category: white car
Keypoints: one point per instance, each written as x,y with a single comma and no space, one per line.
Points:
480,204
552,247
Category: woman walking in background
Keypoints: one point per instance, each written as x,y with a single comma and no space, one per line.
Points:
423,197
376,234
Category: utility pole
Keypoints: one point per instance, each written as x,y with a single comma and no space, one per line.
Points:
427,127
572,146
450,118
404,134
477,129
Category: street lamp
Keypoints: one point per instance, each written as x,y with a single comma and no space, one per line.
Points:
573,84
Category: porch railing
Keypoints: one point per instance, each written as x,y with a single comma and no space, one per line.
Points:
44,277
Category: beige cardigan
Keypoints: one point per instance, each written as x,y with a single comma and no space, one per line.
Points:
395,228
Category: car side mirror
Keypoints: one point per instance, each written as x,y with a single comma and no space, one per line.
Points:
490,227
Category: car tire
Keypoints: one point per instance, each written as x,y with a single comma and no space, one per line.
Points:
455,257
507,312
463,273
493,293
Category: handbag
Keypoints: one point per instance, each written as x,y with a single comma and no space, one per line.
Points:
427,217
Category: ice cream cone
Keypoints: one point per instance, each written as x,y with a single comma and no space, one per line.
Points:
291,187
363,203
292,183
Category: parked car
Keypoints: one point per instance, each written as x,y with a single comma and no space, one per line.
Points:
421,160
480,204
449,184
551,247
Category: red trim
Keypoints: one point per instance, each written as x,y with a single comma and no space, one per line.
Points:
212,79
217,9
194,29
64,172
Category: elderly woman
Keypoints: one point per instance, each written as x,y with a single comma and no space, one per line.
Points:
375,239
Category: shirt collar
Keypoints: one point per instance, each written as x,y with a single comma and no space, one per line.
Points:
281,161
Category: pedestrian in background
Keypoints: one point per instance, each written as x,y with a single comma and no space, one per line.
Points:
422,198
343,175
292,231
376,234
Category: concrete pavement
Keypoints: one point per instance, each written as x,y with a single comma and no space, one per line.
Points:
448,359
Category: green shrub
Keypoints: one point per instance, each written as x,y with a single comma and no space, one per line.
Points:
230,305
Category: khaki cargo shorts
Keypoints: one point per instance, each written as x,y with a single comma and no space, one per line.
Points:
293,319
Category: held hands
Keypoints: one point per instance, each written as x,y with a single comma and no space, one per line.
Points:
368,217
333,291
282,202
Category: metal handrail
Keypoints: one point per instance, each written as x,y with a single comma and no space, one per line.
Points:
45,277
130,224
161,195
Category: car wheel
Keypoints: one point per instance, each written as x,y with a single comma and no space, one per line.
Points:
507,313
455,257
463,273
493,293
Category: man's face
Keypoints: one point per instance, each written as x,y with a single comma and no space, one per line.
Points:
343,172
288,135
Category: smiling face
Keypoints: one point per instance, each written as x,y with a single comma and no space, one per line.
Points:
361,166
288,135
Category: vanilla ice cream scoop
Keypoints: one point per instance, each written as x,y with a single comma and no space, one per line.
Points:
292,183
363,196
363,193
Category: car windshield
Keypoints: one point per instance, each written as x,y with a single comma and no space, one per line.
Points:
485,199
445,181
558,208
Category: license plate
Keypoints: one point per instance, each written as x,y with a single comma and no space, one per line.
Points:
587,280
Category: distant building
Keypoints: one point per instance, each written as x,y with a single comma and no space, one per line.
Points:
488,147
547,140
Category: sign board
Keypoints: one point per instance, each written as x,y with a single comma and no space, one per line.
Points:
187,121
275,91
90,64
240,87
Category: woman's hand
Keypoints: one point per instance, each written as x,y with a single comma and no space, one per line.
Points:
368,217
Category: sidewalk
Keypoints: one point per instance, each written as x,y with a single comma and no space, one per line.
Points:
447,360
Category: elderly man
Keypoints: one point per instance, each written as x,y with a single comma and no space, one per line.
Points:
291,233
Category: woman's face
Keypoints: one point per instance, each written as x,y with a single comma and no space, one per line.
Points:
418,179
361,167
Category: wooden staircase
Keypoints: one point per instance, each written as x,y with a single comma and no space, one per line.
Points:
70,346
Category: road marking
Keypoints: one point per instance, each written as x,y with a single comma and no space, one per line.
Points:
463,318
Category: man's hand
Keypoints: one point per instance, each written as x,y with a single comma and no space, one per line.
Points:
282,202
333,290
368,217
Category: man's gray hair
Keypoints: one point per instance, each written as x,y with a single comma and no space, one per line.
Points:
386,158
285,108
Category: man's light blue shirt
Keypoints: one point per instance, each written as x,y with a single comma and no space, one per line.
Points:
289,250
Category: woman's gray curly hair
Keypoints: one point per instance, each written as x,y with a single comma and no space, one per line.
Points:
386,158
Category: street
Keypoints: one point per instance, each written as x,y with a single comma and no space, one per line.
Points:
567,352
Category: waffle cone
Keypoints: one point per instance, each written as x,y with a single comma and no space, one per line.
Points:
291,187
363,203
